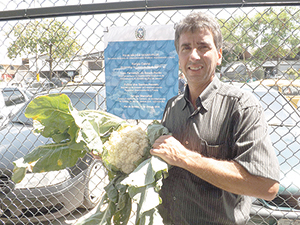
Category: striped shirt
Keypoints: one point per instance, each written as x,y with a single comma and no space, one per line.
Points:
228,124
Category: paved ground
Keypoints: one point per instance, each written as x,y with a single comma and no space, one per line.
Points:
80,214
74,217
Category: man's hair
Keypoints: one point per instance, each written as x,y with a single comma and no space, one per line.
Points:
197,21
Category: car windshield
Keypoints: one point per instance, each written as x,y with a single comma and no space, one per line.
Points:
13,96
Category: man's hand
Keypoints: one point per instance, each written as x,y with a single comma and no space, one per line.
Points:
170,150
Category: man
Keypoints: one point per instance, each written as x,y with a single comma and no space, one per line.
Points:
181,83
220,150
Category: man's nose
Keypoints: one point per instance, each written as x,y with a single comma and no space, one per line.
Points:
195,54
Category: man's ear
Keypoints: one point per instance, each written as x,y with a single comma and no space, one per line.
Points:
219,57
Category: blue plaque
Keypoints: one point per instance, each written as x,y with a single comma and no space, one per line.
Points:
141,76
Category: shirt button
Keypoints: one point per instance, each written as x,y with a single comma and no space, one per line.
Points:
186,142
174,198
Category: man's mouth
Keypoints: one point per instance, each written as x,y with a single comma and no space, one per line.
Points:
195,67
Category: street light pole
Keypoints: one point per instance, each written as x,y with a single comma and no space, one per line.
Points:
50,60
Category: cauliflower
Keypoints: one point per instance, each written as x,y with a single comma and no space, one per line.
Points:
125,147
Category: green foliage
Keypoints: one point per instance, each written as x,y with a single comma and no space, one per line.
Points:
270,34
74,133
37,37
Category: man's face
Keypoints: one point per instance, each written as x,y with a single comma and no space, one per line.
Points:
198,56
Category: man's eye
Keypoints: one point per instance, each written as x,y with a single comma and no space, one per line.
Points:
203,47
185,47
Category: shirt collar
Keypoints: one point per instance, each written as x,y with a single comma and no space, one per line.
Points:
206,97
210,92
185,99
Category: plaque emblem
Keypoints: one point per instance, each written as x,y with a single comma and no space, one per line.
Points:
140,33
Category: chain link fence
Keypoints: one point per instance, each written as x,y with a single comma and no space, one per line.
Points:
58,46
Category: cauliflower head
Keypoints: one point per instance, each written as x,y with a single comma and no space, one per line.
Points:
125,147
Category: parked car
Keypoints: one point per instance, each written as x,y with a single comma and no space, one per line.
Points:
235,71
59,82
289,88
12,98
37,87
84,96
46,196
284,129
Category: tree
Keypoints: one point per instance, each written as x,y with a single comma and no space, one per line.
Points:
277,33
50,37
271,34
237,36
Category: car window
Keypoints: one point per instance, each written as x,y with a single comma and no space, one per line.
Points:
13,97
20,116
275,88
83,101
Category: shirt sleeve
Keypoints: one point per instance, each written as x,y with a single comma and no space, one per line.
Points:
253,146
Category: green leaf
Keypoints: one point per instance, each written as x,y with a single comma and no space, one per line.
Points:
54,157
112,189
151,217
103,215
155,130
46,158
87,132
123,209
145,173
144,184
77,132
53,112
149,199
19,171
94,127
116,204
135,193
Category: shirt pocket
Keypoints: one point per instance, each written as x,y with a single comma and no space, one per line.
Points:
215,151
